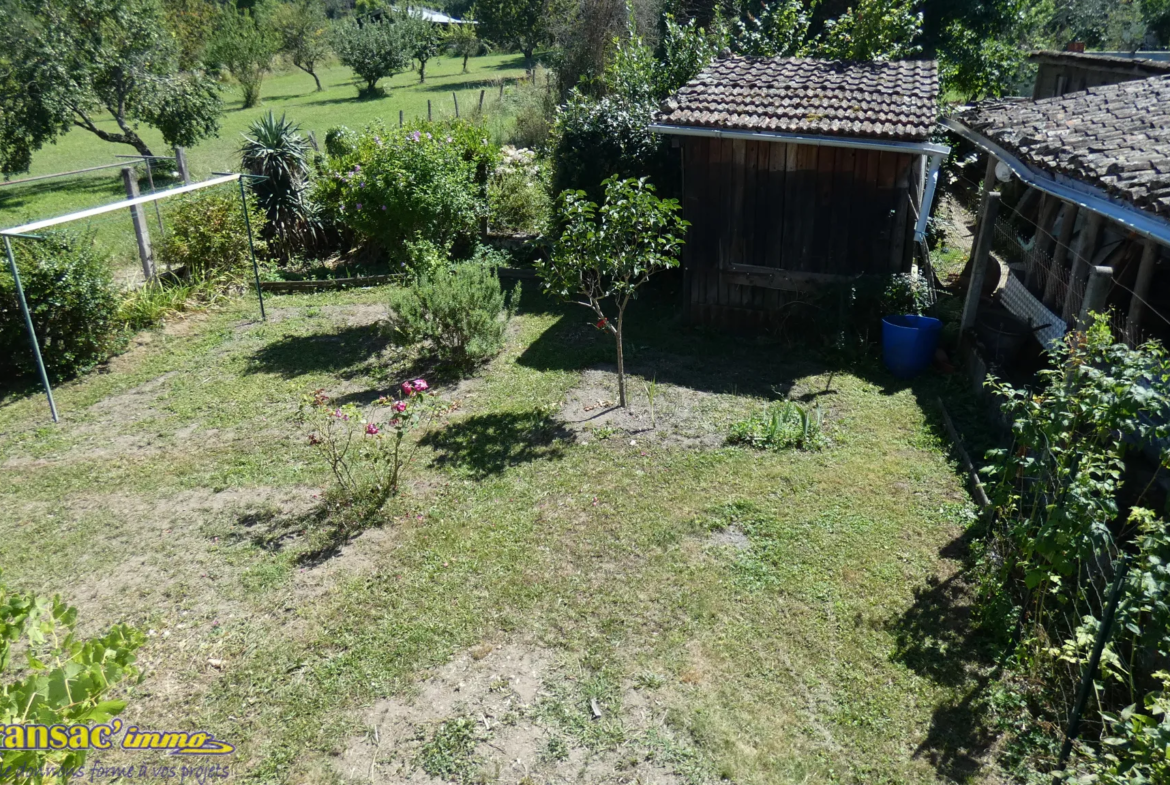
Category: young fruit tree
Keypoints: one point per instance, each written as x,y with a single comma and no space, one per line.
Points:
606,253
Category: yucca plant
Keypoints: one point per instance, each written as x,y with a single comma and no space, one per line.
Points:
276,150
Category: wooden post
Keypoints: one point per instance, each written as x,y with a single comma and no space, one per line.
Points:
1051,289
428,110
455,98
138,215
1141,288
181,165
1096,289
501,90
988,182
399,118
1082,258
481,92
979,261
1043,239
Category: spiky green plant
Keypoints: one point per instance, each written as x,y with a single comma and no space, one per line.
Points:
276,150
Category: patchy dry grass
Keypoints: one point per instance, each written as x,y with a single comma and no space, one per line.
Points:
547,602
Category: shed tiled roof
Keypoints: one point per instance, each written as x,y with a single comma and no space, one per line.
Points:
892,100
1115,137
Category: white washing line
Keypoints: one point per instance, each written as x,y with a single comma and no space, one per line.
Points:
109,208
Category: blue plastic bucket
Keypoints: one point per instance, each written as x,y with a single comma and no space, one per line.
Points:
908,343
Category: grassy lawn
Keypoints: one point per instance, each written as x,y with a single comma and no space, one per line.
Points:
292,93
552,599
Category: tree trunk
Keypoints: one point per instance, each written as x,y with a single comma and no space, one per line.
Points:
128,136
422,71
528,54
621,362
311,73
465,63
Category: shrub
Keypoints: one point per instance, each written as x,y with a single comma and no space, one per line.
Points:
780,427
64,679
594,140
368,456
459,317
518,198
73,302
423,183
208,237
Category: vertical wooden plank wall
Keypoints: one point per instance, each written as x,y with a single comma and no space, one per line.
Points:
792,207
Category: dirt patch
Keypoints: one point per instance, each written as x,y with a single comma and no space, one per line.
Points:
497,713
679,416
729,538
359,315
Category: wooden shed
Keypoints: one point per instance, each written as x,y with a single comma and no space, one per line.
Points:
799,173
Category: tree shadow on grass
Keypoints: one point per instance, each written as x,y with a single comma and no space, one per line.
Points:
938,639
314,536
487,444
342,352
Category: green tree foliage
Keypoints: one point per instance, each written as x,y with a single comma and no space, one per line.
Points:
304,34
686,49
607,253
373,48
191,24
458,317
72,300
873,30
779,29
61,678
244,45
67,63
464,40
525,25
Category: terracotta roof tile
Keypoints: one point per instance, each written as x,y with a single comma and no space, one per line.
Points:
893,100
1115,137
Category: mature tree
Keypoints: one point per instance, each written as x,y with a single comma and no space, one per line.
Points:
373,48
73,63
244,45
304,34
464,40
426,38
607,253
519,24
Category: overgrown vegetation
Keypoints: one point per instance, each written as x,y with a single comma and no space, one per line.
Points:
208,237
781,426
1065,515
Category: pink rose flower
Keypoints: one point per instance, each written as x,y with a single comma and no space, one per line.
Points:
371,430
400,406
420,385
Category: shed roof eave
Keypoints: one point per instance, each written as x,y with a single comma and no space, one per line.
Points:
1082,194
860,143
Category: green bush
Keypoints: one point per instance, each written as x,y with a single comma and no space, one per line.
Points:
421,183
780,427
73,301
593,140
458,317
208,236
518,197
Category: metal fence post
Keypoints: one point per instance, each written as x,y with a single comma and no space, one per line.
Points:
252,248
138,215
455,98
1103,632
428,110
28,325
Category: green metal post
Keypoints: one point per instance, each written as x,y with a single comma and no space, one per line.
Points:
252,249
32,333
1103,633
